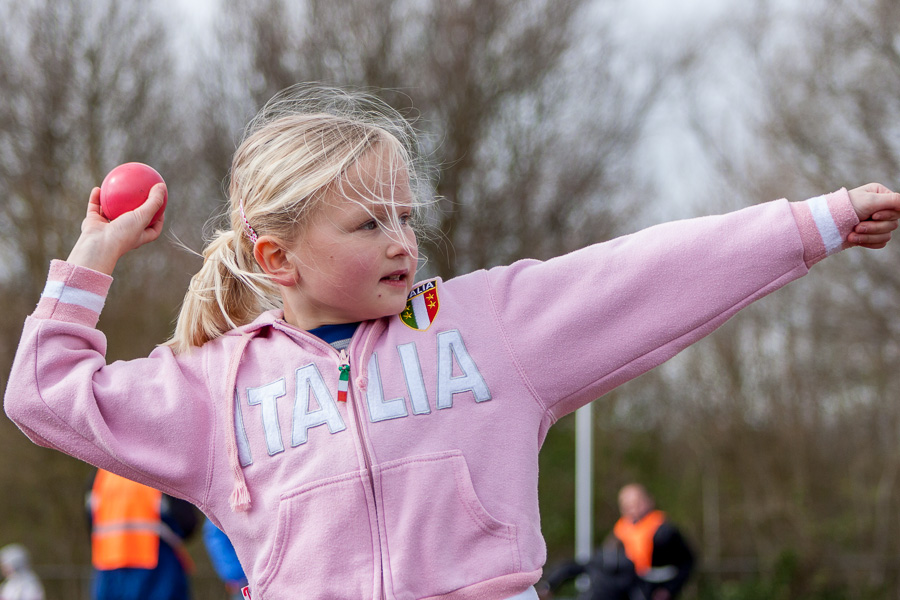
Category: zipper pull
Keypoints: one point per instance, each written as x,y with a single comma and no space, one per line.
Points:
344,378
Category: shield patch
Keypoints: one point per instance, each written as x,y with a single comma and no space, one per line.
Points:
422,306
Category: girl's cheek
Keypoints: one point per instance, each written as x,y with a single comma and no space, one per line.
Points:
413,244
357,269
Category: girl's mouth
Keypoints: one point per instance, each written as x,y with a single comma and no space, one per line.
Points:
395,277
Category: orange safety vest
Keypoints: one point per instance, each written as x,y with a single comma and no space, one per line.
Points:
637,538
126,523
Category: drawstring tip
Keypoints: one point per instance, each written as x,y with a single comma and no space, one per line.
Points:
240,499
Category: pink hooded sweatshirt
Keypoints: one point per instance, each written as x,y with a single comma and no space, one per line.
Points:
422,483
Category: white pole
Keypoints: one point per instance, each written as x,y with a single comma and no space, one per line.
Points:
583,484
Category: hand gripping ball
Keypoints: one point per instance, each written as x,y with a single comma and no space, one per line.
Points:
126,187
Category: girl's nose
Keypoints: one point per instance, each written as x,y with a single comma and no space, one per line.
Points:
402,243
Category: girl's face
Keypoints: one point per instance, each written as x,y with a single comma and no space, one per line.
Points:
351,264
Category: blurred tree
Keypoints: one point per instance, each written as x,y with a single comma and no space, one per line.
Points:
530,116
83,87
788,409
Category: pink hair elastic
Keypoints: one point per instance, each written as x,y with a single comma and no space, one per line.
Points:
251,233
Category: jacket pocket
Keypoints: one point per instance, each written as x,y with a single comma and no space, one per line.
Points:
439,536
323,545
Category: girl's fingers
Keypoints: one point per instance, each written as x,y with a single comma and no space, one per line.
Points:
154,229
146,211
873,198
878,240
140,218
94,203
885,215
875,227
156,197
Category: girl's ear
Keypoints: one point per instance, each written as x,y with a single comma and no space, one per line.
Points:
272,258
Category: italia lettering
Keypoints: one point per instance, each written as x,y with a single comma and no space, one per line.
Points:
243,443
451,352
415,382
428,285
309,384
452,349
267,396
457,373
379,409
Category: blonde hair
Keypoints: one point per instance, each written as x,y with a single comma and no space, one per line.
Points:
304,140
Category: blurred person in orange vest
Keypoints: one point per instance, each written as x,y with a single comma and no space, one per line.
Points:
137,541
662,559
20,582
644,558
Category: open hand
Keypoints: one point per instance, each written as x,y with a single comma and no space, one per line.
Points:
878,209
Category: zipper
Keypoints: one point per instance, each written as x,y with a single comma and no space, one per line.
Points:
344,396
344,376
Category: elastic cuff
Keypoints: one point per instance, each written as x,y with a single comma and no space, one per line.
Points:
73,294
824,223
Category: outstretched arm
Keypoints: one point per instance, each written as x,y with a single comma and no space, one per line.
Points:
103,242
878,209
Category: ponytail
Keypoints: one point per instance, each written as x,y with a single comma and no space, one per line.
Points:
229,291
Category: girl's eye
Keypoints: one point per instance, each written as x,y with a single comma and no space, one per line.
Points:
404,219
369,225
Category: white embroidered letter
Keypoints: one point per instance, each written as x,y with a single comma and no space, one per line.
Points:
268,396
379,409
415,381
240,434
450,347
309,382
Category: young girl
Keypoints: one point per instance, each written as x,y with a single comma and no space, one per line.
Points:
358,433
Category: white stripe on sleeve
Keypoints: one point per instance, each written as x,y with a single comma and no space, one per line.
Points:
71,295
825,223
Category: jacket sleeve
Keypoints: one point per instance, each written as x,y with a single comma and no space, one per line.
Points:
148,420
581,324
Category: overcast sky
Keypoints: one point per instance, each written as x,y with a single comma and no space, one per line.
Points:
672,159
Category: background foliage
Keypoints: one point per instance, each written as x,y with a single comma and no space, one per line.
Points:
773,443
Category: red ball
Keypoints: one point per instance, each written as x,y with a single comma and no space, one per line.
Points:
126,187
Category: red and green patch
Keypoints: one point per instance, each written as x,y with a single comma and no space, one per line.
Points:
422,306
